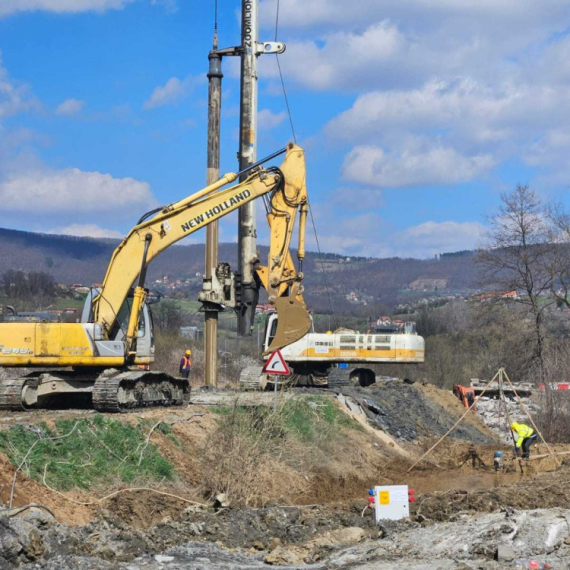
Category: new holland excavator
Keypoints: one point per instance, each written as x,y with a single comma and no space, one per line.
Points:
102,355
335,359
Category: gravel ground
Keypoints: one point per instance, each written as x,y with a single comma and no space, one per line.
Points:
483,541
406,413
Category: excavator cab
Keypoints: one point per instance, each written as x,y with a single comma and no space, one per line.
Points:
145,333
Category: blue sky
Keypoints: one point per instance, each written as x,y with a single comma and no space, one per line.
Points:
415,116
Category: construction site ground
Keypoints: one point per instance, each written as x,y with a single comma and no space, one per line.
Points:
301,511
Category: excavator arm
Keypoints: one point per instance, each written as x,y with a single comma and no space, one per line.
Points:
162,228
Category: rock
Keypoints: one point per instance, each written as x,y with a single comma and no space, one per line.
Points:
162,559
347,536
274,542
282,557
221,501
567,540
505,553
40,518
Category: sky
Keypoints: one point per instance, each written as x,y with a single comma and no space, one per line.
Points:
415,115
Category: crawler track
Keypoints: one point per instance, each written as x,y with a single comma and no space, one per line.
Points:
11,393
130,390
111,391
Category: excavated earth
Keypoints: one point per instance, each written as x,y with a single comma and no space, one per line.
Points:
461,530
408,411
464,517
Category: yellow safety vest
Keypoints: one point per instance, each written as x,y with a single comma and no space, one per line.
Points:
523,431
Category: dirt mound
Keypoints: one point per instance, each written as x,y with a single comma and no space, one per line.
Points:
454,407
410,411
29,491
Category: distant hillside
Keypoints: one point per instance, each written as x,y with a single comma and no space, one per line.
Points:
380,283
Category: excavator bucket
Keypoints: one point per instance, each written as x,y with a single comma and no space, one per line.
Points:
293,322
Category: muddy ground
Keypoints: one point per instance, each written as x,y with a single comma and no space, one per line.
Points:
461,529
326,526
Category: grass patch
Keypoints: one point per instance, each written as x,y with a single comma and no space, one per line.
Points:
312,418
97,452
257,452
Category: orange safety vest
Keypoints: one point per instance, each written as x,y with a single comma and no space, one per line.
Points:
186,363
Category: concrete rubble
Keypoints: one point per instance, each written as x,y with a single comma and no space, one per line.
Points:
492,411
483,541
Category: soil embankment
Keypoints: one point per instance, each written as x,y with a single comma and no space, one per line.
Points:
294,482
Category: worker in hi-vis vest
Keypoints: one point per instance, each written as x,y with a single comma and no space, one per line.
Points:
525,436
186,364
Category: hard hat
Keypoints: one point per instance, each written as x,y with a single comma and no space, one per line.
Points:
188,353
514,425
329,332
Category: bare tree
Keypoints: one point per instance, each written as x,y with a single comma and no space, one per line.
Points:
517,257
559,263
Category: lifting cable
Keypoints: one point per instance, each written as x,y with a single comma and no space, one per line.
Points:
281,76
295,139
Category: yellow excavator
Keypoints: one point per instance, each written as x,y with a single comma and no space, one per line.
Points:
103,354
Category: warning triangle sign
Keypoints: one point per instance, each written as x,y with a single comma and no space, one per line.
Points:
276,364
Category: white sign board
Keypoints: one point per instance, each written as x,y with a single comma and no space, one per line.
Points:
276,364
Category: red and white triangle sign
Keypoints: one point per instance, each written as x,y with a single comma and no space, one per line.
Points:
276,364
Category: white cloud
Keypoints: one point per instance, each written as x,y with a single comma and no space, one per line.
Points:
70,107
60,6
482,113
438,165
173,91
73,191
510,15
349,235
375,238
346,60
86,230
430,238
15,97
266,119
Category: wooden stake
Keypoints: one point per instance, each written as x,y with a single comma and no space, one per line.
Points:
532,421
543,455
456,423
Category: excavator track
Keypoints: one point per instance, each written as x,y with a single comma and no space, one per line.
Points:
11,393
129,390
250,378
339,377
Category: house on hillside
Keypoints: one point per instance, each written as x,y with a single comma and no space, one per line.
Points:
495,295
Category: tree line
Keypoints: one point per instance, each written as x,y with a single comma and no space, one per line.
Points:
26,286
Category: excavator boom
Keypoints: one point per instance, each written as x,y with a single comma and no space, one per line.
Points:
288,197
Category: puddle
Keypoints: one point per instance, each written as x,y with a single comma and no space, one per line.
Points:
454,480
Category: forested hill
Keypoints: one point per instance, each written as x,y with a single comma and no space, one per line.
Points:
383,282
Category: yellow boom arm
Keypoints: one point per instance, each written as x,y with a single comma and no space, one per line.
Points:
174,222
